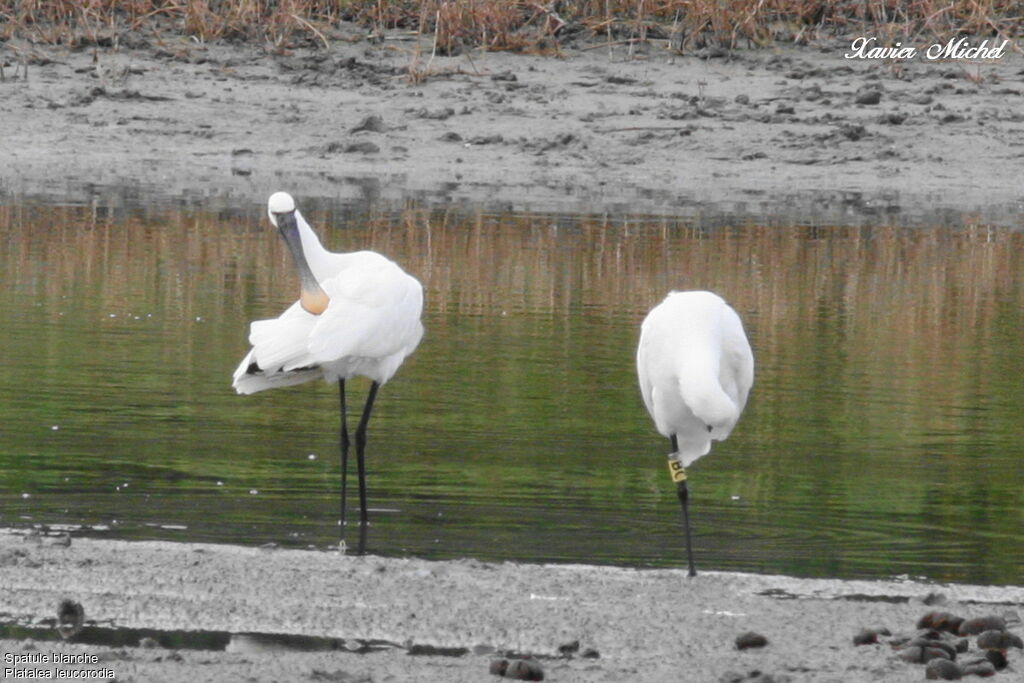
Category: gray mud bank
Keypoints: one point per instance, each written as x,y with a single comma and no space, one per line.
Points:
596,128
582,623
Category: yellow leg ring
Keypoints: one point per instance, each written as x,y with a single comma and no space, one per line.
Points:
676,470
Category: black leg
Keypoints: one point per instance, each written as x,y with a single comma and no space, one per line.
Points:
361,546
684,495
361,448
679,477
343,440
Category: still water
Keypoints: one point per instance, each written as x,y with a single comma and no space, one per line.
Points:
884,434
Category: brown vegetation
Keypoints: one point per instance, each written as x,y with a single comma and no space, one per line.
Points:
510,25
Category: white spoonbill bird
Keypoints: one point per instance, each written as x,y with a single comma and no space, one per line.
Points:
695,368
358,314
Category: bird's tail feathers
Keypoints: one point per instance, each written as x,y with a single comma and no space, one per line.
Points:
251,383
279,344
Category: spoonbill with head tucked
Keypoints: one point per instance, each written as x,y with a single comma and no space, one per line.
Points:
695,368
358,314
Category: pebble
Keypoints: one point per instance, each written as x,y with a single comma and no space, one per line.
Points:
869,636
364,147
373,123
982,668
749,640
524,670
70,618
916,654
928,641
999,640
973,627
866,637
853,131
868,97
997,658
942,670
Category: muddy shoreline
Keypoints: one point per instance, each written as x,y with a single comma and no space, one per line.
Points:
630,624
622,129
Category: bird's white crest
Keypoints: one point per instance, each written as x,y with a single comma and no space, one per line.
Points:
279,202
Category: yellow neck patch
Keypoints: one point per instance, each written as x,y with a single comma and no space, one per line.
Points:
314,302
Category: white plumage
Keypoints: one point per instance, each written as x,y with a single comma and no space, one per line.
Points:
695,368
357,314
371,323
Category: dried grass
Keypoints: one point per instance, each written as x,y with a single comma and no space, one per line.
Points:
522,25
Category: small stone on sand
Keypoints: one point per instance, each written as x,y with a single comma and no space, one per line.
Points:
749,640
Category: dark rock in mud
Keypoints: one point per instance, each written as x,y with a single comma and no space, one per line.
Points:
338,676
892,118
942,670
373,124
361,148
487,140
917,654
70,618
934,640
980,667
524,670
935,598
753,677
869,636
450,136
997,658
866,637
749,640
436,114
996,639
852,131
868,97
813,93
973,627
941,621
569,649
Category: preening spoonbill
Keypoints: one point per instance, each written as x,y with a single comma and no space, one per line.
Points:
695,368
358,314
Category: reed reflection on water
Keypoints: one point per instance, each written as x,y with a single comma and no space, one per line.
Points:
883,434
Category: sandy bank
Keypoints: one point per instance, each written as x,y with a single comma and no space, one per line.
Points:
644,625
595,129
